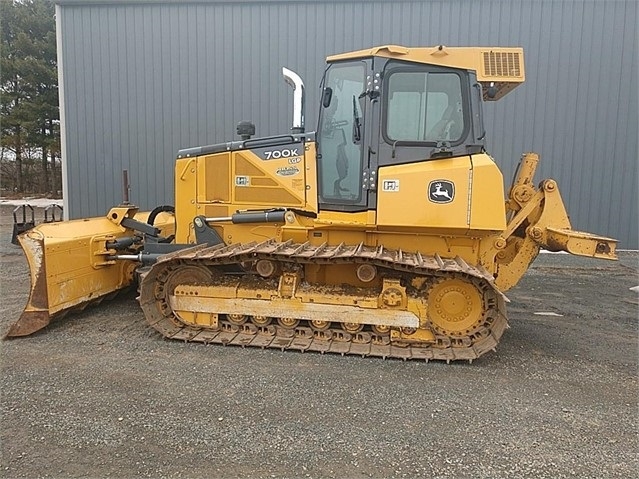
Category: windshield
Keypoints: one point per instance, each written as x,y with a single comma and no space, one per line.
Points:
424,107
339,135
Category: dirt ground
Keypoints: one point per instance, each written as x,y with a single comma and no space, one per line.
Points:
99,394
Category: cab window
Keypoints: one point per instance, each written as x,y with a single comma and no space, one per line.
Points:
424,107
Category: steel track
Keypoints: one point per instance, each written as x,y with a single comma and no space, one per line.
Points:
483,338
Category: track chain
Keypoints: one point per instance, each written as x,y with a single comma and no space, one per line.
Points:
334,340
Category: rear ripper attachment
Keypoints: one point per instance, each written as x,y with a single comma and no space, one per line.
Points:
188,295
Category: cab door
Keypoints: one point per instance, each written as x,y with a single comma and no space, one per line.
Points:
423,162
343,138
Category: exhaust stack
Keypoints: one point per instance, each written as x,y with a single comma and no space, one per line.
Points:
294,80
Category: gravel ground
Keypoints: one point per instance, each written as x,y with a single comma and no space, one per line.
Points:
98,394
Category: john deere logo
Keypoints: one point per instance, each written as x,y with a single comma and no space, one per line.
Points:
441,191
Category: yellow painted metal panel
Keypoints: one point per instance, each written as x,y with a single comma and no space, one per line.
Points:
488,210
310,165
251,183
403,194
185,203
346,219
214,178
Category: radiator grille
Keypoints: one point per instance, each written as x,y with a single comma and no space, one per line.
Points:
502,64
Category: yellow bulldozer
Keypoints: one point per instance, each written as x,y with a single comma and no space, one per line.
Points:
387,232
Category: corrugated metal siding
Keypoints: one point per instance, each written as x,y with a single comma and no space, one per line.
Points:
142,79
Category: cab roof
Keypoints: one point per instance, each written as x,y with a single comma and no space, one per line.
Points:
499,67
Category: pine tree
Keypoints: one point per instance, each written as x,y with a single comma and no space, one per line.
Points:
29,113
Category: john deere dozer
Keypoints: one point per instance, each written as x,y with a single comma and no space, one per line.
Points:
387,232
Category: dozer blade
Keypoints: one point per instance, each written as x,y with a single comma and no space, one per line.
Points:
70,267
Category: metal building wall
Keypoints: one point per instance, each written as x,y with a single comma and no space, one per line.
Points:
141,79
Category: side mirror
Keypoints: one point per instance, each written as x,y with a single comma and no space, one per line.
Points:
327,96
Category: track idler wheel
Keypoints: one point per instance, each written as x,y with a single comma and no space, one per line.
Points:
175,276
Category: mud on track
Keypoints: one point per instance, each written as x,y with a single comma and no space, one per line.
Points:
99,394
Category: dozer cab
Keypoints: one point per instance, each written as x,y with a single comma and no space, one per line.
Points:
387,232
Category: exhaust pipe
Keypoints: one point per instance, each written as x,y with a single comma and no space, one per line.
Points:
294,80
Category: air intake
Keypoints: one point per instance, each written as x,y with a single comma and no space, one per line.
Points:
501,64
